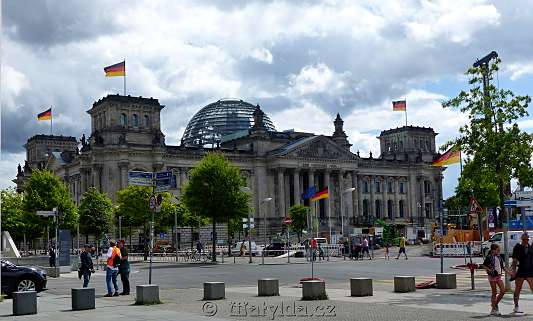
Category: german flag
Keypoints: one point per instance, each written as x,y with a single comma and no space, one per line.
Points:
116,70
320,195
452,156
45,115
400,105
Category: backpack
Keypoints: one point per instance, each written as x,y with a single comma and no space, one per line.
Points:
116,260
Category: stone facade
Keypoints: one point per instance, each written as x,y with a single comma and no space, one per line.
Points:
400,185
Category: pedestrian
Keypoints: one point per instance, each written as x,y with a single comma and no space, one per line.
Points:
86,265
124,268
523,260
314,246
387,245
52,256
320,252
402,247
493,264
307,248
113,262
242,250
365,249
199,247
346,248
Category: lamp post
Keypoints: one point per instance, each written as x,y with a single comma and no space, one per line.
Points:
265,200
346,191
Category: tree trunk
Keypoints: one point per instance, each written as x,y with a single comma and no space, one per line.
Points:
214,256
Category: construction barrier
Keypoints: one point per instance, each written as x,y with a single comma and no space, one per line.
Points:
460,249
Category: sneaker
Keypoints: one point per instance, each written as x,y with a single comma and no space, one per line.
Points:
517,309
116,294
108,295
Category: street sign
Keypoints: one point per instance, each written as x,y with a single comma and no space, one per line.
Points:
140,178
152,202
244,220
524,194
245,226
46,213
528,203
164,181
159,199
162,235
287,221
509,203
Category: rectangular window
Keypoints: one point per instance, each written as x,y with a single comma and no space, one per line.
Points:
402,188
390,187
378,187
365,187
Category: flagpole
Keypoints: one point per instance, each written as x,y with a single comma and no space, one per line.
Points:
405,112
51,122
124,76
329,216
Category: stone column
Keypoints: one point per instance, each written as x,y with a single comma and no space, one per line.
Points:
176,172
83,175
281,193
396,186
123,170
314,216
386,197
330,217
371,209
296,182
359,180
343,202
183,173
411,196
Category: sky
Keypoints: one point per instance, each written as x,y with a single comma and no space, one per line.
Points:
302,61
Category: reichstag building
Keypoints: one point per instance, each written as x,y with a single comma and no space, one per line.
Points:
397,185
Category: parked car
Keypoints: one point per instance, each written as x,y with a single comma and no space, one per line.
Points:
236,248
275,249
21,278
513,238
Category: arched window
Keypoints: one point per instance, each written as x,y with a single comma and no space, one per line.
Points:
123,119
401,208
390,205
146,121
135,120
365,187
378,208
365,208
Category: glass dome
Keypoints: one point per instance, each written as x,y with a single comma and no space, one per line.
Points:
218,119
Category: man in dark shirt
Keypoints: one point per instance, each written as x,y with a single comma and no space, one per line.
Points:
124,269
523,258
86,265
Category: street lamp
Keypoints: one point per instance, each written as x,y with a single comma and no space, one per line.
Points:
265,200
346,191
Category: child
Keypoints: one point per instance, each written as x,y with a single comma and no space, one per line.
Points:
494,266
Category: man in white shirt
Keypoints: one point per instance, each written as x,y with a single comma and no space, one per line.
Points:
112,269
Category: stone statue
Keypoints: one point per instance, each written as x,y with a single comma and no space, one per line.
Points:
83,141
370,155
19,168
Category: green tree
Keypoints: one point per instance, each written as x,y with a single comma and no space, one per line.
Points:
298,214
213,191
96,211
496,149
13,218
43,192
134,208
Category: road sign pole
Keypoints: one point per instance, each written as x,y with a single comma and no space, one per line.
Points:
57,238
505,247
152,232
250,238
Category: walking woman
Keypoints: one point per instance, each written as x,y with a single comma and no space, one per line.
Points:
494,266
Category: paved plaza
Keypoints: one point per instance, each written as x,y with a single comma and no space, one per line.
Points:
181,293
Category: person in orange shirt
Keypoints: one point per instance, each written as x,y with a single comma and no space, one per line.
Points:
113,263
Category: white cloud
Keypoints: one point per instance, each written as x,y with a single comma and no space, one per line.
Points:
263,55
316,79
520,69
13,82
8,168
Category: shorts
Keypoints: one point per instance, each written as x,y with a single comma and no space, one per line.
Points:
402,250
523,274
496,278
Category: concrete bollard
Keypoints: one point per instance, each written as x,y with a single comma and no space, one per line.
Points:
404,284
314,290
361,287
268,287
214,290
24,303
147,294
82,298
446,281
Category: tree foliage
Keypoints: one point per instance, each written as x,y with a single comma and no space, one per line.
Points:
96,211
14,218
213,191
496,149
298,214
43,192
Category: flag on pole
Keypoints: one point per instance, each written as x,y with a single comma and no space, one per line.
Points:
310,192
452,156
320,195
116,70
399,105
45,115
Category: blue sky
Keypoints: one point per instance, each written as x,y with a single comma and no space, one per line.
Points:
303,62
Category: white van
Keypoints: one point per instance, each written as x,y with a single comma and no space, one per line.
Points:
513,238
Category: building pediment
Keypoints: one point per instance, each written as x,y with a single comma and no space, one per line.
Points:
317,147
